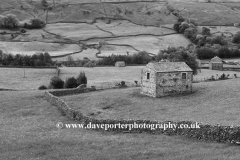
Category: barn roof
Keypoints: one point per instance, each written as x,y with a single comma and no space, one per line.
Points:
216,59
169,66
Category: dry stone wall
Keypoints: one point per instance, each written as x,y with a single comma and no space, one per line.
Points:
206,132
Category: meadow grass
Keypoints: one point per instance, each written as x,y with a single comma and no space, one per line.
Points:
211,102
13,78
28,131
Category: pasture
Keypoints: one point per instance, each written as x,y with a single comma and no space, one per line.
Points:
98,76
208,13
210,103
28,131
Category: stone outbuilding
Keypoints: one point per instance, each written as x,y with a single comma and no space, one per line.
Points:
236,24
160,79
120,64
216,63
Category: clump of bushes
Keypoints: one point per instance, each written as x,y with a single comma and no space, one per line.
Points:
89,64
9,21
56,83
42,87
40,59
71,82
44,3
81,79
236,38
121,84
35,23
205,31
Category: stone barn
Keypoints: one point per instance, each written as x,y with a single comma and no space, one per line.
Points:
120,64
216,64
160,79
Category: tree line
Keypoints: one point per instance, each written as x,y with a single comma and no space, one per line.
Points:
207,46
40,59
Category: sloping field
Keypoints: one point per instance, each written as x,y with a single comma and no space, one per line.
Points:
28,131
84,31
80,31
126,28
89,53
152,44
30,48
14,78
208,13
211,103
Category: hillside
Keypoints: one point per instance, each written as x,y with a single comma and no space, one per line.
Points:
76,27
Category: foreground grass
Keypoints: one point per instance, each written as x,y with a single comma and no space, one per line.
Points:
28,131
210,102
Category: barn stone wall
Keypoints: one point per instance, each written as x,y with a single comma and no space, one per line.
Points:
148,86
216,66
172,83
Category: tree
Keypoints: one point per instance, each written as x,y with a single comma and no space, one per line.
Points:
71,82
44,3
11,21
1,56
185,56
2,21
81,79
236,38
183,26
37,23
56,82
176,26
189,32
181,54
205,31
69,60
47,57
219,40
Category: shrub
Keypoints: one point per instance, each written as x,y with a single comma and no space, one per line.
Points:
176,26
10,21
81,79
219,40
71,82
183,26
37,23
44,3
205,31
223,76
89,64
236,38
205,53
189,32
122,83
56,82
42,87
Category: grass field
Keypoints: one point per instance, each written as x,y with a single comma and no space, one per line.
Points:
208,13
212,103
14,77
28,131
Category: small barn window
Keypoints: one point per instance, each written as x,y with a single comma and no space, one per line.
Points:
148,75
184,75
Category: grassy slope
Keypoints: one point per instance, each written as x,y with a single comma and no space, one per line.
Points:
13,78
208,13
28,132
212,102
